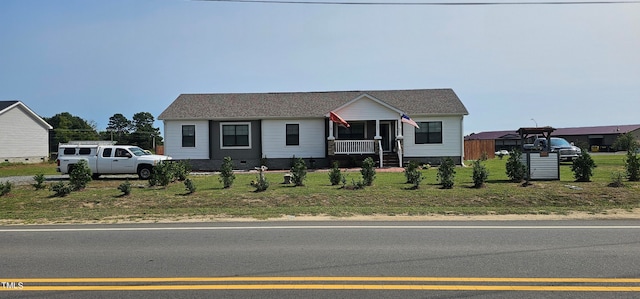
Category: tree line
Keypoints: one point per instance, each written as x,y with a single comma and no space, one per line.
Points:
136,131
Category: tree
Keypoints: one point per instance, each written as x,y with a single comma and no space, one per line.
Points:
120,127
67,127
145,135
625,142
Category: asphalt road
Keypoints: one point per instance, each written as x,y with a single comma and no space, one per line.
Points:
559,259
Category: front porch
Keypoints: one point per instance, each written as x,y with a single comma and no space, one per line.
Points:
351,152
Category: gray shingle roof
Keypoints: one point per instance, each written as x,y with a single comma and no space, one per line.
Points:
6,104
306,104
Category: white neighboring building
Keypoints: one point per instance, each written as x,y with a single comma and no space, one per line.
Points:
24,136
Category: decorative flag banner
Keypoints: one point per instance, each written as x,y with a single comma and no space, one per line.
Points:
408,120
338,120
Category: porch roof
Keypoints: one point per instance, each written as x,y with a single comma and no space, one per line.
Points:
306,104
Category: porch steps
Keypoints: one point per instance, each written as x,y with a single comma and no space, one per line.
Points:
390,160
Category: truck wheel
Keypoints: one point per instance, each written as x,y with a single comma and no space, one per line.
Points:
144,172
95,176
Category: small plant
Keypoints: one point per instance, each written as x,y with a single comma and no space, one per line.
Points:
616,179
480,174
60,189
632,164
299,172
583,167
516,170
335,176
368,171
5,188
190,186
357,185
446,173
162,174
125,188
80,175
413,174
261,184
39,184
181,170
226,172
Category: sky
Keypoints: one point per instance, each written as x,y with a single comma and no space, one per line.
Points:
511,65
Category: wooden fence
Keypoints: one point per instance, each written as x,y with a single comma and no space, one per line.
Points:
473,149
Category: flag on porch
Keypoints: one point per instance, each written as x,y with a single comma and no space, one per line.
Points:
338,120
408,120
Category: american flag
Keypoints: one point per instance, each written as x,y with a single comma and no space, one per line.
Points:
408,120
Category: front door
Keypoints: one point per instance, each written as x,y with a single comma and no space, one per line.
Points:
387,137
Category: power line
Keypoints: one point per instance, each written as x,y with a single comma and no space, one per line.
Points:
314,2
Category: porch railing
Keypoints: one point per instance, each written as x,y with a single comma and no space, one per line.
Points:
355,147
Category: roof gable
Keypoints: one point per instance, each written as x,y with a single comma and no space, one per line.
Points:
5,106
307,104
365,106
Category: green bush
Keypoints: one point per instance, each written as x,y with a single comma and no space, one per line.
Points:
335,175
582,167
5,188
190,186
516,170
226,173
80,175
632,165
446,173
413,174
368,171
125,187
480,174
60,189
616,180
299,172
39,184
162,174
181,169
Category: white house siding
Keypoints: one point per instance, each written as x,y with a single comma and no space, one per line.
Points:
312,139
451,145
366,109
22,137
173,140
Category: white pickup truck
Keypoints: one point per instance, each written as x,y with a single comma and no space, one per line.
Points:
108,159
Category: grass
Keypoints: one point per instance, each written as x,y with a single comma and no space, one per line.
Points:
389,195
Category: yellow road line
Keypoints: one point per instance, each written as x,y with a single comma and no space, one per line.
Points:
335,287
327,278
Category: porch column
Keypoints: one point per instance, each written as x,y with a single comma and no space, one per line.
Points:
398,129
331,131
377,137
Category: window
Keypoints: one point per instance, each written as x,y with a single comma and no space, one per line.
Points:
429,132
235,135
69,151
356,131
189,136
293,134
106,152
84,151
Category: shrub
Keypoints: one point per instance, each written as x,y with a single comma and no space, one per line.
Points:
446,173
181,169
190,186
299,172
368,171
582,167
616,179
39,184
261,184
413,174
226,173
5,188
60,189
480,174
125,187
80,175
335,175
516,170
162,174
632,165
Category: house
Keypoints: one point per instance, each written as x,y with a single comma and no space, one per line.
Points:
596,138
273,128
24,136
